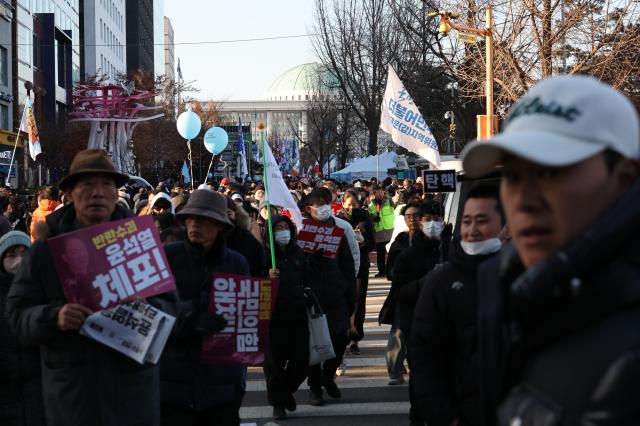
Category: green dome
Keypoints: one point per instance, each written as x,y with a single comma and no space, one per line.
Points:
299,81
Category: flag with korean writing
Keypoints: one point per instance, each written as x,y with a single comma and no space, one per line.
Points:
102,265
247,304
315,236
402,120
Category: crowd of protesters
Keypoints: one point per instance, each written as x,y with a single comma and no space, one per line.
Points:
489,328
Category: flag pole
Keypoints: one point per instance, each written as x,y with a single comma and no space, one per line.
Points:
266,190
15,145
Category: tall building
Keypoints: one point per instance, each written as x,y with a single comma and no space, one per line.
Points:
158,37
103,38
140,38
169,59
7,136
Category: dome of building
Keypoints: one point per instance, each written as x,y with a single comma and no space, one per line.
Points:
301,82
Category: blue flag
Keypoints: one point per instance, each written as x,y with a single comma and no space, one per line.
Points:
185,173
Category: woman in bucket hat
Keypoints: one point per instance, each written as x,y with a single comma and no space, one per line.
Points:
194,393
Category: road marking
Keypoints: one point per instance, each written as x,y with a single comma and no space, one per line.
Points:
343,383
330,410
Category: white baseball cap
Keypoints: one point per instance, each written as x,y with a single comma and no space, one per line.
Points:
560,121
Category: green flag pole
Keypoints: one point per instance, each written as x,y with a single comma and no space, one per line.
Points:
266,190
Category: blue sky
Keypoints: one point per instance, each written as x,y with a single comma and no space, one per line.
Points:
241,70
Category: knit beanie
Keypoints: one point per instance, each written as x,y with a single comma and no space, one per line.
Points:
11,239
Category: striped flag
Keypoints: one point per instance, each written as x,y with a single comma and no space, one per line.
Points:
28,125
242,158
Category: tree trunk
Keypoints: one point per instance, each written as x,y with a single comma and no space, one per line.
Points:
372,146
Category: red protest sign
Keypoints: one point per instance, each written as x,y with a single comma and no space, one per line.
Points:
316,236
247,304
101,265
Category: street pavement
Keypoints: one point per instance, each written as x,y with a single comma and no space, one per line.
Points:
367,399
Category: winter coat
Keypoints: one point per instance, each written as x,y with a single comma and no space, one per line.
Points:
412,264
45,208
334,283
84,382
187,382
565,332
243,241
20,385
401,242
294,275
444,342
350,235
360,220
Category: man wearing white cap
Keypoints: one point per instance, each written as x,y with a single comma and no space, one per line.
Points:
560,308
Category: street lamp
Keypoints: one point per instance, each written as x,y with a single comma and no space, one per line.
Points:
485,130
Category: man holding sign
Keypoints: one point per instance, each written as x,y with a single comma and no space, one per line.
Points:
194,392
84,382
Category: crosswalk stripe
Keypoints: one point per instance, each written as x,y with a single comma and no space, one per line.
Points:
330,410
343,382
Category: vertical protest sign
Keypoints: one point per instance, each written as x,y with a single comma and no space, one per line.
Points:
102,265
247,304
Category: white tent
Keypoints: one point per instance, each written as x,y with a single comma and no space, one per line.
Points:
367,167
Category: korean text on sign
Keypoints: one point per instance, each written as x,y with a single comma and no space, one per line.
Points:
103,265
439,180
316,236
246,303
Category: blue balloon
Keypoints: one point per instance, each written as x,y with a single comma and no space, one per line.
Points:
216,140
189,125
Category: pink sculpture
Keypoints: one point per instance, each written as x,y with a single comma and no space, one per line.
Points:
114,112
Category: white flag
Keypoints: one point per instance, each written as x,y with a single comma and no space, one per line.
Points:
28,125
278,194
402,120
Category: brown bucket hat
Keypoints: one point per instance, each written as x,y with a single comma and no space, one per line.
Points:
92,161
209,204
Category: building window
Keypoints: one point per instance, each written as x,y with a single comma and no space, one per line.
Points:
4,117
4,70
36,52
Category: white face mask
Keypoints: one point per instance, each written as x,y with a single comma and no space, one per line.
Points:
321,213
432,229
282,237
12,264
491,245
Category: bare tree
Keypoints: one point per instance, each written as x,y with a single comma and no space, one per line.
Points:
536,39
357,39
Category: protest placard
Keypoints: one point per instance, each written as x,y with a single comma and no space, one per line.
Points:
316,236
439,180
135,329
102,265
247,304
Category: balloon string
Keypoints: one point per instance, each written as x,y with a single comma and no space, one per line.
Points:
190,163
210,164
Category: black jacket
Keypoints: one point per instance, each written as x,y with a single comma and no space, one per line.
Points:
334,283
20,383
360,219
243,241
186,381
387,311
294,276
412,263
444,342
564,333
84,382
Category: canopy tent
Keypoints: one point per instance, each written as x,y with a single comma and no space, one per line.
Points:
367,167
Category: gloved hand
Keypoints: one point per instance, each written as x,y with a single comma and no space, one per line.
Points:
207,322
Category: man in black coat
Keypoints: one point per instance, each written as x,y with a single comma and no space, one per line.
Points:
84,382
194,393
558,324
444,340
334,283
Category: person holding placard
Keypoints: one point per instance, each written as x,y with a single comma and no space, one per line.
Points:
84,382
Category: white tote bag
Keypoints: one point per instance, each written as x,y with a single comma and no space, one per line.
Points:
320,346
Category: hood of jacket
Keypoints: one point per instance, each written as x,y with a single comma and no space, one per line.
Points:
276,219
64,220
48,205
161,195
